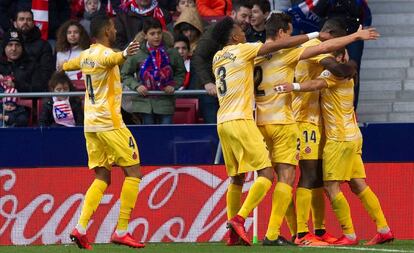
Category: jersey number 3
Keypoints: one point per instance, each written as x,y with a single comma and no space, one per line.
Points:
222,88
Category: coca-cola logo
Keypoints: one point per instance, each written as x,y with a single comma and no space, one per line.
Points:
49,215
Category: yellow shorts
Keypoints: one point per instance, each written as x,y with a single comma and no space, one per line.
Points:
311,141
243,147
342,160
111,147
283,142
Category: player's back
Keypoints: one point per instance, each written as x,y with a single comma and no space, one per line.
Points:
337,105
103,88
233,70
276,68
306,107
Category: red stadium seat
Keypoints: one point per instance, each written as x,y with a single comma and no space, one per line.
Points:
186,111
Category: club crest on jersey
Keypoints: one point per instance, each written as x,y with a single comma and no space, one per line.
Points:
308,150
134,156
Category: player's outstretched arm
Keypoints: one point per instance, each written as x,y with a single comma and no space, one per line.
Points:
310,85
285,43
338,43
72,64
117,58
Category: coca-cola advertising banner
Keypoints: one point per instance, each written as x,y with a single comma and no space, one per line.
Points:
180,204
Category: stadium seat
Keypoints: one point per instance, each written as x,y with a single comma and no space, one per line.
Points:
186,111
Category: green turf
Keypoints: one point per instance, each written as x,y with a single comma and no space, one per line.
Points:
397,246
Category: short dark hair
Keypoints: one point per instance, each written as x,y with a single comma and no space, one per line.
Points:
60,77
339,52
182,38
98,24
23,9
151,23
276,22
264,5
335,27
222,31
237,4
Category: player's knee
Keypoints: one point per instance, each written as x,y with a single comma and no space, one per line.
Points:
267,173
133,171
237,180
332,189
357,185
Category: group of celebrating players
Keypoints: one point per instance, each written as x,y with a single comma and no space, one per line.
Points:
310,123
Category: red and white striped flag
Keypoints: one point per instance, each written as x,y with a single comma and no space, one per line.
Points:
40,10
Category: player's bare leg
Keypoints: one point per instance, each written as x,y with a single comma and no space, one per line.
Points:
129,194
256,194
372,205
92,199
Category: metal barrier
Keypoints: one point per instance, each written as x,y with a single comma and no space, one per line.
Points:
82,93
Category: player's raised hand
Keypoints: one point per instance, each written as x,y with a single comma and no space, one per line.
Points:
283,88
367,34
132,49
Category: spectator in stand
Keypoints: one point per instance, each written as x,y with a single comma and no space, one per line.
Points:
352,14
190,24
211,8
158,67
77,8
129,21
93,8
12,114
72,39
58,13
61,110
181,5
17,67
256,31
182,44
36,48
168,5
201,61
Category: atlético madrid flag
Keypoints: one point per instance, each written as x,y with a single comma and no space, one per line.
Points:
40,10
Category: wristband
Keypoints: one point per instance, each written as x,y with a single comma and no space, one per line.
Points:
313,35
296,86
124,53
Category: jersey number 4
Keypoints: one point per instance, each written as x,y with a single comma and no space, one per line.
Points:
90,89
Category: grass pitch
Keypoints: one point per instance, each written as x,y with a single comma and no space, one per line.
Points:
396,247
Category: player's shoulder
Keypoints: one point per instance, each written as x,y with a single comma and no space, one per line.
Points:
312,42
326,74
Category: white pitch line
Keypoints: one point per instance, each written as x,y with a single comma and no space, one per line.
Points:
366,249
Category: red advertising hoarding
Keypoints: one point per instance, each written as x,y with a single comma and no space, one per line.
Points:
180,204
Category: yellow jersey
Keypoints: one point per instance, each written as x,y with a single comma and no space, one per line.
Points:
306,106
337,105
99,66
233,70
276,68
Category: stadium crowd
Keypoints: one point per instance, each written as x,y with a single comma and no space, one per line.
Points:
33,46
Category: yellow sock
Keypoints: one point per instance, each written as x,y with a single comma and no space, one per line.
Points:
343,213
281,199
373,207
92,199
256,194
318,208
129,194
290,217
303,207
233,199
